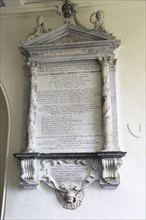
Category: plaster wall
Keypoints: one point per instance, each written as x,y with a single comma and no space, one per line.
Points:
3,142
127,21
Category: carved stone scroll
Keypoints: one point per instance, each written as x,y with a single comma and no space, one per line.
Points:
110,168
109,163
30,174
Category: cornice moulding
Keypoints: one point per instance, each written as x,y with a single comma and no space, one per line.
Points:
50,6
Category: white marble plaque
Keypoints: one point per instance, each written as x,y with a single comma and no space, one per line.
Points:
65,171
69,108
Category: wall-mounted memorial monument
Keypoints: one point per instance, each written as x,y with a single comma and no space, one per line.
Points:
70,136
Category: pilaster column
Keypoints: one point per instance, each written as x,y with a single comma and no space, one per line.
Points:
107,105
34,68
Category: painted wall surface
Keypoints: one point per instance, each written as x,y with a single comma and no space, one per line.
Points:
127,21
3,141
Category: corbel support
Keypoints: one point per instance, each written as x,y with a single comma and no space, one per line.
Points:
29,173
29,169
109,163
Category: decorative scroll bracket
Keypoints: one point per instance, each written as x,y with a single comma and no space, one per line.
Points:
109,163
30,173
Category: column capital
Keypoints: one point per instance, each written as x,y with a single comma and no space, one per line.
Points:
33,66
107,61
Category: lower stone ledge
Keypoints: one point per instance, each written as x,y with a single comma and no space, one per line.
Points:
70,174
100,154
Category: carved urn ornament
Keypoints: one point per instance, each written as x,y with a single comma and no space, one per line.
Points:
70,135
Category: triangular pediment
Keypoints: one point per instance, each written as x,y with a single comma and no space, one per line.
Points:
68,34
69,38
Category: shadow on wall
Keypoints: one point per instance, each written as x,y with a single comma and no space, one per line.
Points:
4,144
